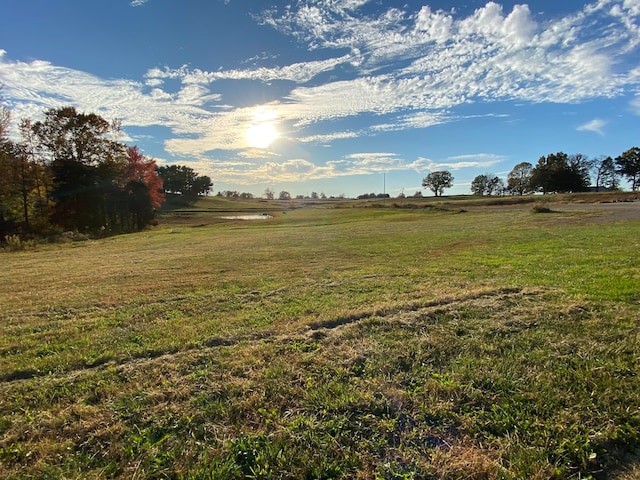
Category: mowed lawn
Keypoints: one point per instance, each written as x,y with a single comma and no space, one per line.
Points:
336,340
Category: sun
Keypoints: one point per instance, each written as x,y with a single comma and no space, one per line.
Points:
261,135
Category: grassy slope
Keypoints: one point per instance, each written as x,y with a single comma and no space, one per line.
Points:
328,342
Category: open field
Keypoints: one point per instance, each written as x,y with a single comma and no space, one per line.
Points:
389,339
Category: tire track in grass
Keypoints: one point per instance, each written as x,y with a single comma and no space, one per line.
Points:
315,330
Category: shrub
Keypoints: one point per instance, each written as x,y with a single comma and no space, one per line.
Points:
14,243
541,209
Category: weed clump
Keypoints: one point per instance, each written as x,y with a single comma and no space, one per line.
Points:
14,243
541,209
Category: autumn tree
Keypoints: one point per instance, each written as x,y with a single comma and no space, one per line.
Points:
97,184
5,182
5,117
629,166
9,189
438,181
83,162
141,191
21,181
17,184
144,169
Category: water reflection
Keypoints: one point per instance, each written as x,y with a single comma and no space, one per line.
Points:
262,216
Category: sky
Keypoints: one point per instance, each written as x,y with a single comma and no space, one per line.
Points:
341,97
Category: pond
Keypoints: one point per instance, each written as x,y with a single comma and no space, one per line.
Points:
261,216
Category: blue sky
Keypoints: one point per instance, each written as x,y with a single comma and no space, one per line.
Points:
334,96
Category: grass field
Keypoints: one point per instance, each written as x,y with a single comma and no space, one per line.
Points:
407,339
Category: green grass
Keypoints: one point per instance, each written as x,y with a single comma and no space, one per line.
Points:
334,341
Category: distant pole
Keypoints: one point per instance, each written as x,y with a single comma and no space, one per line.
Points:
384,188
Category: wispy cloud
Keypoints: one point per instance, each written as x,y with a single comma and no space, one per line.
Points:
298,72
441,61
36,86
635,105
479,160
301,169
596,125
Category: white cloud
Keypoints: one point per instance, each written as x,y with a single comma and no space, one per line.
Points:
633,7
436,26
376,162
439,61
196,95
36,86
513,31
479,160
329,137
300,169
138,3
291,170
153,82
301,72
596,125
244,172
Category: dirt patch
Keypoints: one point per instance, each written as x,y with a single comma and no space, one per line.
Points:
606,212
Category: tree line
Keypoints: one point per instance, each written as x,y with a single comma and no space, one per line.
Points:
68,172
554,173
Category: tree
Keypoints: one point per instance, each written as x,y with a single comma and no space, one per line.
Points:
84,164
19,174
74,136
143,169
183,180
139,205
10,195
269,194
176,179
629,166
284,196
5,118
201,186
438,181
560,173
580,166
486,184
98,184
42,178
67,173
519,179
605,173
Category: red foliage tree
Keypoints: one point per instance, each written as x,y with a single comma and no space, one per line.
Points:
143,169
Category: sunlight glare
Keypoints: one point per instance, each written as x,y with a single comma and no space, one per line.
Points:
261,135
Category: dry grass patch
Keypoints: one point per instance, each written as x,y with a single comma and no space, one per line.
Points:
343,343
